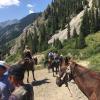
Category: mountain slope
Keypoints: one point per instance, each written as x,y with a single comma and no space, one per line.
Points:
12,31
8,22
74,23
55,19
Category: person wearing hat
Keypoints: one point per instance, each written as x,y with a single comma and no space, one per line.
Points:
4,83
22,91
27,52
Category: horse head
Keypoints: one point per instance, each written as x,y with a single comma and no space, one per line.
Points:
66,72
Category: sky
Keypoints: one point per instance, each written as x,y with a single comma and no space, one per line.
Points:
17,9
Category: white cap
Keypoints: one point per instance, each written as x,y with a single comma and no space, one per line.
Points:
3,64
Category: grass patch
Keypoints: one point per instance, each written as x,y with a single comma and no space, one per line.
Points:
95,62
13,58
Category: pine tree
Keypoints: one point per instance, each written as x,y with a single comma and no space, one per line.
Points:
42,38
81,41
35,41
92,21
68,31
97,20
85,26
75,35
57,44
76,43
22,47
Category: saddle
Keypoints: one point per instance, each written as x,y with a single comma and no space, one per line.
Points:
28,60
29,63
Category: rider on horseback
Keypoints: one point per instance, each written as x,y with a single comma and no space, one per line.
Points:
29,61
27,52
50,55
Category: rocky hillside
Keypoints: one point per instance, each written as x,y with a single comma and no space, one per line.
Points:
8,22
75,23
60,20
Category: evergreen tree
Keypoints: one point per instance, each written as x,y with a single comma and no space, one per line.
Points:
57,44
68,31
77,43
92,21
42,38
35,41
97,20
75,35
85,26
22,47
81,41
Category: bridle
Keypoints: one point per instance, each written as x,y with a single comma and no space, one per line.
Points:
68,73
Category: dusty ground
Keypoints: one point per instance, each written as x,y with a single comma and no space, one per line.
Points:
46,89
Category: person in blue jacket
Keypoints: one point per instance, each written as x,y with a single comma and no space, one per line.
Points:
5,85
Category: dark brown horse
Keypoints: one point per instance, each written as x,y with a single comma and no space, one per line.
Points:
54,65
88,81
28,65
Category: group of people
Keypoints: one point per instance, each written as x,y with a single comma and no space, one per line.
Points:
54,56
12,86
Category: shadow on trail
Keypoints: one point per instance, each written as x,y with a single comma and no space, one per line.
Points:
40,82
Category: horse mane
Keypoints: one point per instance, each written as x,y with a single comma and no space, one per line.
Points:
94,74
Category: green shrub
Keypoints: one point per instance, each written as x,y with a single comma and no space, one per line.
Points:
13,58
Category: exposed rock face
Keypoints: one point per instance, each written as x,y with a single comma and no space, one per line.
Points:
62,34
74,23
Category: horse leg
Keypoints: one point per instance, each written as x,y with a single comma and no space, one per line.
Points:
48,69
33,75
56,70
27,76
53,71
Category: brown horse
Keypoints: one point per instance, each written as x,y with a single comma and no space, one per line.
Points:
88,81
54,65
28,65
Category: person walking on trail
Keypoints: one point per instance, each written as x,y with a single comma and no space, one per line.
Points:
27,52
22,91
5,87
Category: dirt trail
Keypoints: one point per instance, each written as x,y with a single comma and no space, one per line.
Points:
46,89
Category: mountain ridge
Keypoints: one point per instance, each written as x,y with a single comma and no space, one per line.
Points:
8,22
14,30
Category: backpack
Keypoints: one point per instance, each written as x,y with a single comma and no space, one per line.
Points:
24,92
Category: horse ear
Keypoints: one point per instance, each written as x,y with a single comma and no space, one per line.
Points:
73,64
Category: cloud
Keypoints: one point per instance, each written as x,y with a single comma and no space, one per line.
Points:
6,3
31,11
31,8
